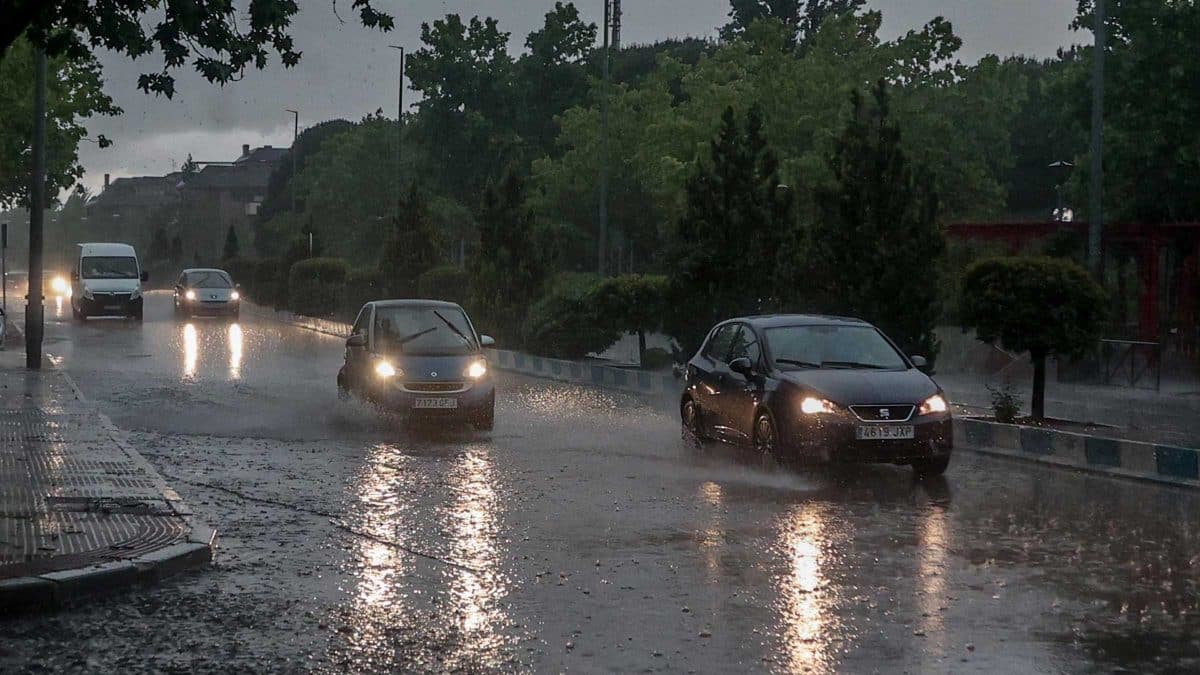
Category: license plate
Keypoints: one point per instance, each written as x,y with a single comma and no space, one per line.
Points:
885,432
436,403
112,307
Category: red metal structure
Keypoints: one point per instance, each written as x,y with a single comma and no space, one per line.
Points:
1161,262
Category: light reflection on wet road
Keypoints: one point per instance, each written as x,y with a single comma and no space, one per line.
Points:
584,535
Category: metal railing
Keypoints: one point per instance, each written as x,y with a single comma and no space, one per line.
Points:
1132,363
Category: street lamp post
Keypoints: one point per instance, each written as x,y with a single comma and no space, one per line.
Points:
601,252
1096,207
295,136
399,132
37,199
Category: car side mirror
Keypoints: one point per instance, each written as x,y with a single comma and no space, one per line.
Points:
920,362
145,276
356,341
487,341
742,366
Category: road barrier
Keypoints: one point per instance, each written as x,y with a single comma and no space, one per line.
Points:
586,372
1130,459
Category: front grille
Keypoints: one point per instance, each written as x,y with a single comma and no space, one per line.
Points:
435,387
111,298
883,413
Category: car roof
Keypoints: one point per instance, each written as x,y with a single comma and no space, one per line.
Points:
106,249
780,320
205,269
442,304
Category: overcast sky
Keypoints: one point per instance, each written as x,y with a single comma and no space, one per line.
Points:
348,71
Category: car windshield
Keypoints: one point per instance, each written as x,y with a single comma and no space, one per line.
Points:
209,279
423,330
845,347
109,267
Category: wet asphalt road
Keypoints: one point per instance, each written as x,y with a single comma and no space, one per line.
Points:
584,534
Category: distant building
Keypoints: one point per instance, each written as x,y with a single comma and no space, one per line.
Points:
199,205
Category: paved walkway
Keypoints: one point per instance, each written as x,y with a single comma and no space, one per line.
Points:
80,510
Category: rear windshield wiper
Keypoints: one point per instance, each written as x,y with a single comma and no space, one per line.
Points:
853,364
802,364
454,328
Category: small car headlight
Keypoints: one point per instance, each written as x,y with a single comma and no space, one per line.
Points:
235,296
933,405
816,406
190,295
385,369
476,370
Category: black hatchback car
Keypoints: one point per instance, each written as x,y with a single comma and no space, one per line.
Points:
817,388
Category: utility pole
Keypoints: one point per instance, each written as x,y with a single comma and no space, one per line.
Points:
37,199
400,134
1096,206
616,24
602,242
295,150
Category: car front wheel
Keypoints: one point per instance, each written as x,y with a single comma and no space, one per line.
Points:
766,436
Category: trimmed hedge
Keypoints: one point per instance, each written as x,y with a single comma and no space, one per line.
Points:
448,282
316,286
264,287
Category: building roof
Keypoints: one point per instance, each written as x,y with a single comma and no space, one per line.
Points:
264,155
137,191
230,176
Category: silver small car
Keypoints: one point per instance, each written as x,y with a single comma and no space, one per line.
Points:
207,292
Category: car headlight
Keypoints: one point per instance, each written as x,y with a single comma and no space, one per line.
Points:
235,296
476,370
190,295
386,370
87,293
137,293
933,405
816,406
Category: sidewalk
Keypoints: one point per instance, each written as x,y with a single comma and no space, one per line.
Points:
1141,415
80,510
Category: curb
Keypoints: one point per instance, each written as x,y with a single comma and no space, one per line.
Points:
56,589
323,326
1165,464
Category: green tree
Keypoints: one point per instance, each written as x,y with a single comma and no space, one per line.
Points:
74,93
723,257
631,303
219,43
509,272
231,249
551,78
411,250
874,249
279,193
1152,102
1044,306
803,18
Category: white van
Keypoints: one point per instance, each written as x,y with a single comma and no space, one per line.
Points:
107,282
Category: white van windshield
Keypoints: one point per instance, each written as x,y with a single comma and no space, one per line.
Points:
108,267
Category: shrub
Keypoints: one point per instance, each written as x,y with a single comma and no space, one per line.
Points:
1044,306
316,286
1005,405
264,287
447,282
362,286
242,270
563,323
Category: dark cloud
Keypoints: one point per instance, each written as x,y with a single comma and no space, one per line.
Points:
348,71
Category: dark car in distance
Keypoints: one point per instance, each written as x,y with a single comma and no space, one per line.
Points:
422,359
817,388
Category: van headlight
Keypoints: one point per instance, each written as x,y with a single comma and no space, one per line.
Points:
933,405
476,370
386,370
87,293
137,293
